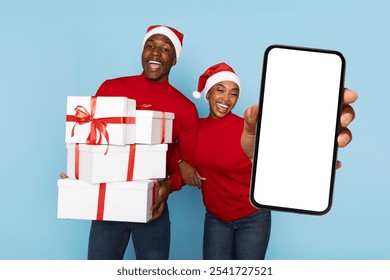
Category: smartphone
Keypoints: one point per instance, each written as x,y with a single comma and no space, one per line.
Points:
295,152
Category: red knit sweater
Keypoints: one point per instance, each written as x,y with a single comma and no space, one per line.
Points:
163,97
220,159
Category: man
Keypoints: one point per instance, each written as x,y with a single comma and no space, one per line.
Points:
161,51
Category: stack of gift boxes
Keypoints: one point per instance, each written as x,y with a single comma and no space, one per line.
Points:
115,150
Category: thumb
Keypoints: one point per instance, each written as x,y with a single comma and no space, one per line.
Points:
157,183
250,117
63,176
200,176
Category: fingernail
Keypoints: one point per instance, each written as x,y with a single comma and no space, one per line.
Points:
344,120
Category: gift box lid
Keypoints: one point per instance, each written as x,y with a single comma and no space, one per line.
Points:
117,148
154,114
139,185
106,106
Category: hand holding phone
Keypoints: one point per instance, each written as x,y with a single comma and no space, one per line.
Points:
296,141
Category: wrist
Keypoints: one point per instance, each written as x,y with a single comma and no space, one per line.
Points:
169,185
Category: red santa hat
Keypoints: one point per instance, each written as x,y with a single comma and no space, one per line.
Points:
213,75
174,35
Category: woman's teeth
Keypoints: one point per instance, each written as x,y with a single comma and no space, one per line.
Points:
222,106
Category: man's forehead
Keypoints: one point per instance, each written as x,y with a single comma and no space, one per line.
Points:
160,37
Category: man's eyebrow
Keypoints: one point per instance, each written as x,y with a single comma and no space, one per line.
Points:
167,42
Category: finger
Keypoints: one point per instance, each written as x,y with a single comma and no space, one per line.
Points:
200,177
192,181
197,183
155,206
158,212
347,115
344,138
349,96
250,116
157,182
63,175
339,164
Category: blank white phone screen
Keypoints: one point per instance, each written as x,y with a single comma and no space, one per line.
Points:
297,133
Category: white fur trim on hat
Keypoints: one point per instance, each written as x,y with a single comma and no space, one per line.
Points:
219,77
196,94
170,34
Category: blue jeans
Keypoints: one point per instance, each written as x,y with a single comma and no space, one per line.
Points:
108,240
243,239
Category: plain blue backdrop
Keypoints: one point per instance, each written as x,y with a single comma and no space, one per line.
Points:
52,49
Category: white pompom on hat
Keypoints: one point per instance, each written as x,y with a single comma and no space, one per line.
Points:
213,75
173,34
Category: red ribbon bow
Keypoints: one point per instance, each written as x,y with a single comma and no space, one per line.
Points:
98,125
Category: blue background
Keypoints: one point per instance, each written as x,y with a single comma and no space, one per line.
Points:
52,49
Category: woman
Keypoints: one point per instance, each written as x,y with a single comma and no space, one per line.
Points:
233,228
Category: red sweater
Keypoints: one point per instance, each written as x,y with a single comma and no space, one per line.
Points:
220,159
163,97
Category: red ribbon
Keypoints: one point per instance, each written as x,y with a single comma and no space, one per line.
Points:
82,116
163,128
76,161
130,167
101,200
144,106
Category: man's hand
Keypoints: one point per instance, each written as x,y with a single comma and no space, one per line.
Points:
163,190
190,175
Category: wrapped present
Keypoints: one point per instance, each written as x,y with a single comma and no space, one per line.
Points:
100,120
122,201
105,164
153,127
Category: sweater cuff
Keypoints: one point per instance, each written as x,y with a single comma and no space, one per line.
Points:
176,181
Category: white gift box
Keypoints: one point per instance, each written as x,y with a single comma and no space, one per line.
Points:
117,109
119,164
122,201
153,127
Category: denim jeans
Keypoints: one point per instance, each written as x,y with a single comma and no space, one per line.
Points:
108,240
243,239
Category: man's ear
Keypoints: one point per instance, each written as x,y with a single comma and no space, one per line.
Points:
174,61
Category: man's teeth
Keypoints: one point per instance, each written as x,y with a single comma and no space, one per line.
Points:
154,62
